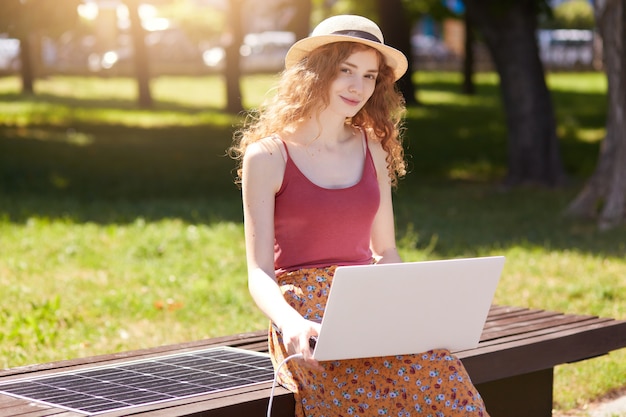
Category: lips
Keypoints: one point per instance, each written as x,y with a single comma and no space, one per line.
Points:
350,102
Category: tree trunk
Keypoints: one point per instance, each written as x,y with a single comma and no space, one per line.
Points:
301,24
397,31
509,32
232,67
468,60
140,54
26,71
604,194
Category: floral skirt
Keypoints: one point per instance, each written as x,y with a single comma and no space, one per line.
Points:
432,383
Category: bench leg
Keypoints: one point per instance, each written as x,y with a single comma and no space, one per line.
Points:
528,395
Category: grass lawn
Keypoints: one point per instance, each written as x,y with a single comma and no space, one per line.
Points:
121,228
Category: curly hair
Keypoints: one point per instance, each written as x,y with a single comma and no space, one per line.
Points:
297,96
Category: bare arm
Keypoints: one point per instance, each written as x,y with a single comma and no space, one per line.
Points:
383,239
263,168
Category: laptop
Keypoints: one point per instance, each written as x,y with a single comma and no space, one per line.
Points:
404,308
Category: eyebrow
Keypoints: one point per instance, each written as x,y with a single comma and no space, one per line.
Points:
351,65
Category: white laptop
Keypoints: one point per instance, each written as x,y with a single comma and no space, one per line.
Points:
411,307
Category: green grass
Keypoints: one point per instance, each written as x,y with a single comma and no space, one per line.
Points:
120,228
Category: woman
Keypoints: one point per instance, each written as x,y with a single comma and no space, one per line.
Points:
317,168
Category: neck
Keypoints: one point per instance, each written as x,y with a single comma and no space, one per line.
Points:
328,130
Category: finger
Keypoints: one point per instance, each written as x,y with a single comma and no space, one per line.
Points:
304,347
291,347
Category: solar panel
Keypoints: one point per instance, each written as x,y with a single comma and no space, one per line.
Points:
116,387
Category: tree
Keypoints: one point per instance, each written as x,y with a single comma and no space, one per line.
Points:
232,68
396,27
140,54
27,20
604,195
508,28
301,22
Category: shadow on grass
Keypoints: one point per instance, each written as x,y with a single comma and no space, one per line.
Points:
124,171
472,219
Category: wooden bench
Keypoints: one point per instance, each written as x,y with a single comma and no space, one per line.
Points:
512,367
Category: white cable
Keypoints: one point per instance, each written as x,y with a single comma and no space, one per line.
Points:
287,359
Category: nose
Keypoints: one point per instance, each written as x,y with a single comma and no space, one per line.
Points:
356,86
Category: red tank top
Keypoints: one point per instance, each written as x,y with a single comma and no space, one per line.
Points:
318,227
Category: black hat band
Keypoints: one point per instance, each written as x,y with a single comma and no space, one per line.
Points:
358,34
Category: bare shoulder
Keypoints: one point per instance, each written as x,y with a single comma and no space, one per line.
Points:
268,147
265,152
379,155
264,160
376,148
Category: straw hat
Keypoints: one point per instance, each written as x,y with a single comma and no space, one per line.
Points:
348,28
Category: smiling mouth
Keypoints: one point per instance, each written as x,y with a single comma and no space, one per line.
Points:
351,102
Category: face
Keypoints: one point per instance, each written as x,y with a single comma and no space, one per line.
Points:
355,83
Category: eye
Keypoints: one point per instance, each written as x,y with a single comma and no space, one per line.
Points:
345,70
373,77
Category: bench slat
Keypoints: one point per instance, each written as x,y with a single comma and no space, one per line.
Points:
516,328
493,361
